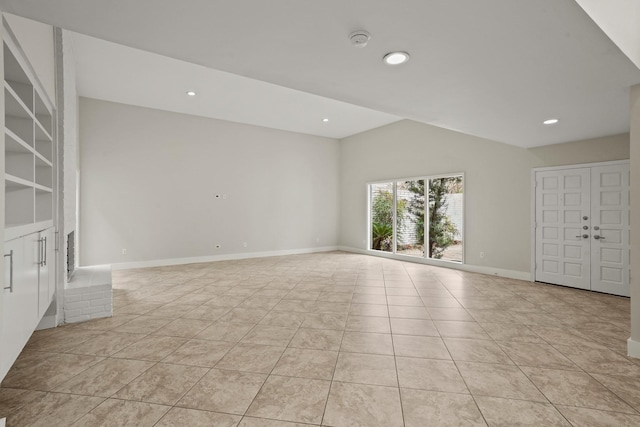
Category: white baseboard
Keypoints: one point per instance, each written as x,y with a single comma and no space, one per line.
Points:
492,271
211,258
47,322
633,348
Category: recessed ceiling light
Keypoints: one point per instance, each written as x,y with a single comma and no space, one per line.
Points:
550,122
325,120
191,93
396,58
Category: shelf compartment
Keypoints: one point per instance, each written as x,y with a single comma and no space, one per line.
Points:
44,173
18,158
14,106
43,144
19,203
44,205
29,145
22,128
43,114
15,141
13,70
21,92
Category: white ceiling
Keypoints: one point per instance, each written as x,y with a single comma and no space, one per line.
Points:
491,68
118,73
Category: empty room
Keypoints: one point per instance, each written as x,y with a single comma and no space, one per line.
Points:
339,213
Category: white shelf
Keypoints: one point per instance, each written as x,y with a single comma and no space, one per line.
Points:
42,130
42,114
43,159
28,147
43,188
12,181
12,141
14,106
13,231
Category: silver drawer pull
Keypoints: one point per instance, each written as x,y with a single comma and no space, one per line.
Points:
10,255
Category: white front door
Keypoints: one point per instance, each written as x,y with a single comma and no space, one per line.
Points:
562,210
610,229
582,228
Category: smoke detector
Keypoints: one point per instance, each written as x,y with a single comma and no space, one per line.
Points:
360,38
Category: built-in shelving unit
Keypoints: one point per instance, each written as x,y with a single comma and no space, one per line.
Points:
28,148
29,284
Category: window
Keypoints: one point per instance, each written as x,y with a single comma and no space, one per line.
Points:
381,196
420,217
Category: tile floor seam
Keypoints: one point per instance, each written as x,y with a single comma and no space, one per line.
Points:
614,393
533,383
324,410
395,362
272,369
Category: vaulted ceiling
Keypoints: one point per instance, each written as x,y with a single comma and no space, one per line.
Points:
491,68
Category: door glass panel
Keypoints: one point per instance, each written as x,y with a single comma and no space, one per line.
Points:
445,218
382,216
410,218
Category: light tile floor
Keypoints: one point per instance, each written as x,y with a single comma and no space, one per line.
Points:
331,339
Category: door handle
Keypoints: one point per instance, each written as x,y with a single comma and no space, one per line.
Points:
584,236
598,237
10,255
40,256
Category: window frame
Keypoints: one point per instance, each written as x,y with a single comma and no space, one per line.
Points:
403,257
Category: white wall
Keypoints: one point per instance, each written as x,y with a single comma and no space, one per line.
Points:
36,40
619,20
497,182
67,130
149,179
70,160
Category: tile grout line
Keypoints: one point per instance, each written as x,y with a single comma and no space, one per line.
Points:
326,403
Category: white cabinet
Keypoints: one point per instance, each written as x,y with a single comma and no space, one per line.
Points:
45,268
28,283
20,299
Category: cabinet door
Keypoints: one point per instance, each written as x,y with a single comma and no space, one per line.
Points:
45,263
30,265
51,261
46,283
19,306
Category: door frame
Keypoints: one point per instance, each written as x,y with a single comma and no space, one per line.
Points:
533,199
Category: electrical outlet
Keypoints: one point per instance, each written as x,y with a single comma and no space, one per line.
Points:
481,254
124,251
